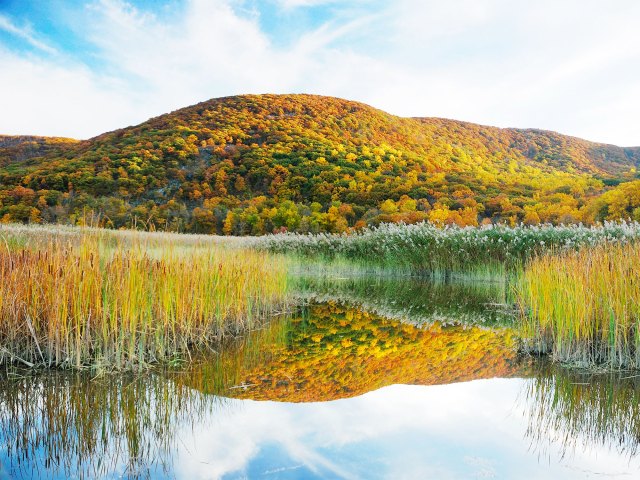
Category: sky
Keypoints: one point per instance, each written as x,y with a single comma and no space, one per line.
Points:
80,68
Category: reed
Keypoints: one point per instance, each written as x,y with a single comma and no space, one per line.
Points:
125,301
425,249
583,306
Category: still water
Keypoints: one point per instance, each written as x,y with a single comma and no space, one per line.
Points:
368,379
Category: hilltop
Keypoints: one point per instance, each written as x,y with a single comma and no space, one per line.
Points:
252,164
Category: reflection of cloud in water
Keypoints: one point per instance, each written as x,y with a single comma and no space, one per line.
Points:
467,430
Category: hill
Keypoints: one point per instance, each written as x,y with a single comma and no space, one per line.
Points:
257,163
16,149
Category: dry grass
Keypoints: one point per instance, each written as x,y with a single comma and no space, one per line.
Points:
584,306
126,300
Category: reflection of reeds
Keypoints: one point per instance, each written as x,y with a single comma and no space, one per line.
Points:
573,410
120,302
64,425
411,300
225,373
584,306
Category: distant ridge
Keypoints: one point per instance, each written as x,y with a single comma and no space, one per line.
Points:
252,164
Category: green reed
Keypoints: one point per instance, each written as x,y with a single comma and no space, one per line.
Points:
583,306
423,248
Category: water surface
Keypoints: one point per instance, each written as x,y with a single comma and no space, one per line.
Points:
371,378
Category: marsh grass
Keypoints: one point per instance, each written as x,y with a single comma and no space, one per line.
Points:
428,250
121,301
583,306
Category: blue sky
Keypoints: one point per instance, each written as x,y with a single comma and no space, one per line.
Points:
79,68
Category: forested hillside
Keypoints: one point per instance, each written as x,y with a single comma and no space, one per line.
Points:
260,163
16,149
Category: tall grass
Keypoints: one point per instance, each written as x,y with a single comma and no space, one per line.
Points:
425,248
583,306
111,301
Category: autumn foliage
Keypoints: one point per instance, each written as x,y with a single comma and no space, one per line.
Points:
255,164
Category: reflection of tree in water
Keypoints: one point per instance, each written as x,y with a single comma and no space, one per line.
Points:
414,301
63,425
576,409
333,351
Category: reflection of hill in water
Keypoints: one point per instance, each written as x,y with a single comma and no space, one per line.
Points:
412,300
331,351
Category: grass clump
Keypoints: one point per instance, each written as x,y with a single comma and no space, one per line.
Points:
583,306
486,251
124,302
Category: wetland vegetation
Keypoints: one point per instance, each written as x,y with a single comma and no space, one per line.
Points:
425,248
576,287
110,300
583,306
73,297
215,327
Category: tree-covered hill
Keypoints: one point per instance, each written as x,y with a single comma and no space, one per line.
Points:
257,163
16,149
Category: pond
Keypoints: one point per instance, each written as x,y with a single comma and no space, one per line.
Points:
368,378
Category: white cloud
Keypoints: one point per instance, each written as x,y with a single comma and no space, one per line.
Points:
545,64
44,97
26,34
291,4
570,66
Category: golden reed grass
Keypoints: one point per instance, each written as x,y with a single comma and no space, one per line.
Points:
583,306
113,302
